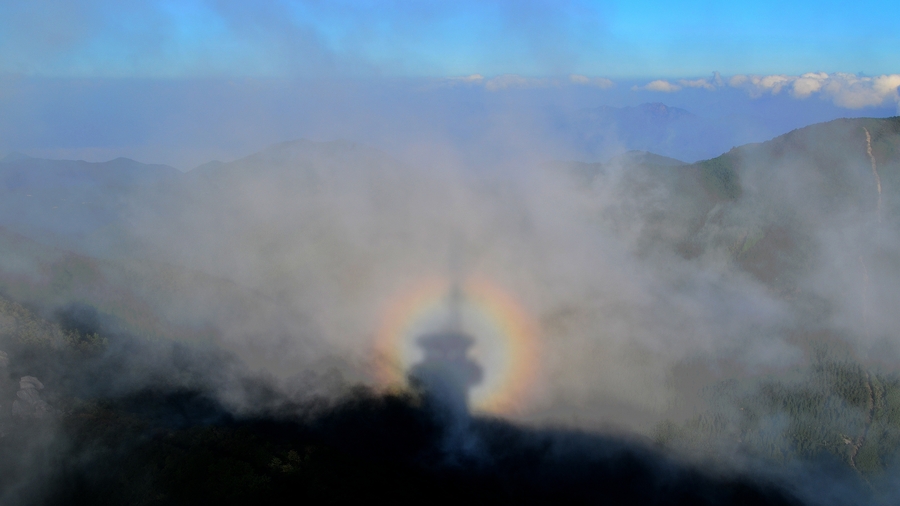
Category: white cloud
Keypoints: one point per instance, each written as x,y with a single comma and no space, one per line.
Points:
599,82
854,92
760,85
738,81
845,90
659,85
774,83
809,83
668,87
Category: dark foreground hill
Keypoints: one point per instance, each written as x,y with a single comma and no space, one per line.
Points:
132,421
178,448
174,443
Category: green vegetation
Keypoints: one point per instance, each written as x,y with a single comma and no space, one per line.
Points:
21,328
835,409
747,242
719,176
180,448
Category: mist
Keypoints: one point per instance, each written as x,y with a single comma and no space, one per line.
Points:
654,275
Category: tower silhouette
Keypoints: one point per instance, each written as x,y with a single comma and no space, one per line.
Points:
447,373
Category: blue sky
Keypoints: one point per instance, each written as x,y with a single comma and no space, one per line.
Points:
394,38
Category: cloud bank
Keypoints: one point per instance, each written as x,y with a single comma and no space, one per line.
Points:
850,91
845,90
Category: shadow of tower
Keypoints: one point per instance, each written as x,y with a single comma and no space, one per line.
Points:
447,373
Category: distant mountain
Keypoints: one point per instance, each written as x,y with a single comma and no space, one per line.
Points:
657,128
71,203
68,200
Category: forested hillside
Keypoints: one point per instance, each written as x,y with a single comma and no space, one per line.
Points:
838,410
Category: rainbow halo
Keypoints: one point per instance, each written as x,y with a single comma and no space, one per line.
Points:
506,344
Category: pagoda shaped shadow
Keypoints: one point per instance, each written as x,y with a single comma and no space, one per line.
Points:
447,373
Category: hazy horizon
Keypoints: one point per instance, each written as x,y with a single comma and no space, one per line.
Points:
185,123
